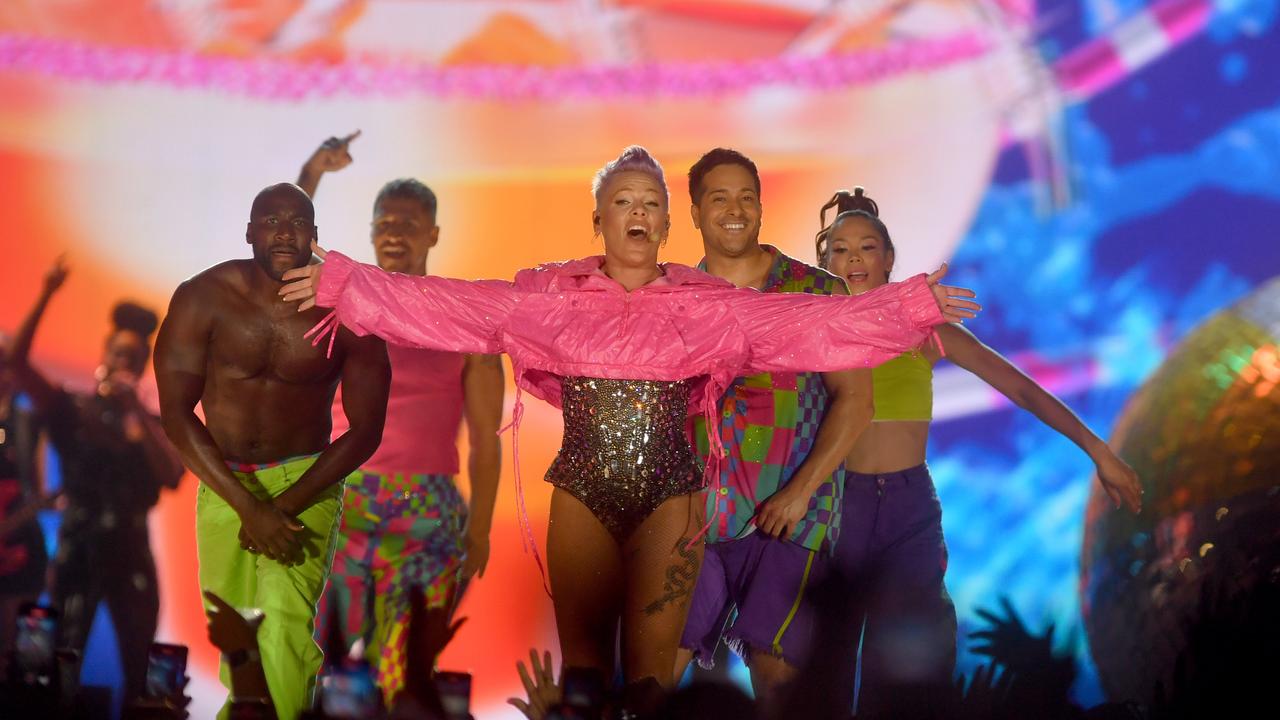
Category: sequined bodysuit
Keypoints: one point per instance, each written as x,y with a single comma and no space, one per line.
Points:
625,448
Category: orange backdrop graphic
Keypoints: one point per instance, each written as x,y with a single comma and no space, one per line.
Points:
143,184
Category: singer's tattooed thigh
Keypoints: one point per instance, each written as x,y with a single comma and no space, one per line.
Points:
679,583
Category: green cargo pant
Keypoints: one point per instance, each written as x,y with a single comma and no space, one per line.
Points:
286,594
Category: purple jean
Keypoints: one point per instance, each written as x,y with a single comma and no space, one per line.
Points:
765,580
891,543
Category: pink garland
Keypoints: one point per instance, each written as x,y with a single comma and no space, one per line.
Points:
275,79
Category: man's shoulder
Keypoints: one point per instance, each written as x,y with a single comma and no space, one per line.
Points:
679,274
798,276
229,271
225,277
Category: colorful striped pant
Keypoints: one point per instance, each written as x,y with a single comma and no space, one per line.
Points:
398,531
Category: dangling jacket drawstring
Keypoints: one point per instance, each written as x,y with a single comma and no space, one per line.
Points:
527,541
327,326
715,456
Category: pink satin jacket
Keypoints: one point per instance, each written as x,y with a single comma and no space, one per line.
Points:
570,319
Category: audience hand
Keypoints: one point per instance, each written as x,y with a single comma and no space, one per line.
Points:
1008,642
987,692
229,629
543,690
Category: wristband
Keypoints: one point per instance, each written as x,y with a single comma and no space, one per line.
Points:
236,658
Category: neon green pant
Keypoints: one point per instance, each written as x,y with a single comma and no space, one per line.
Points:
286,594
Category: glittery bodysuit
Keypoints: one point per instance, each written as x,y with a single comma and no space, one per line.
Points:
625,448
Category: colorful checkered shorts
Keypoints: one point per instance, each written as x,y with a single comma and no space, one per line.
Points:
398,531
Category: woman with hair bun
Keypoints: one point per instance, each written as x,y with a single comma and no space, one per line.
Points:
114,459
891,522
627,348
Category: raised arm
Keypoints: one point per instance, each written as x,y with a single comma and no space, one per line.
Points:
1117,478
366,379
182,353
42,392
333,154
798,332
424,312
483,389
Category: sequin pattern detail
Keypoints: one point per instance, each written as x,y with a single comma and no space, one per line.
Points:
625,448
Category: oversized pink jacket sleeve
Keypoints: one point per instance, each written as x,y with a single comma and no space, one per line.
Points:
424,312
795,332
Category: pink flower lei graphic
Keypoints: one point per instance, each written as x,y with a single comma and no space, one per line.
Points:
281,79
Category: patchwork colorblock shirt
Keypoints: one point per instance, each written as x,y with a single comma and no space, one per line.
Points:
768,425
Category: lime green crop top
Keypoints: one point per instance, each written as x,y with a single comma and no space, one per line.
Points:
904,388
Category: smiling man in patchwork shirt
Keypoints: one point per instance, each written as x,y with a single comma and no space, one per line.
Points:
776,512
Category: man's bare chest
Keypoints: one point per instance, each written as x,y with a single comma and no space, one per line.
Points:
249,343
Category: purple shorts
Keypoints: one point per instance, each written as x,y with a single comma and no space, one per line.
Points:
764,580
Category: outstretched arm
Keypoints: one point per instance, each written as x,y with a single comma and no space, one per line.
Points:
483,388
42,392
333,154
366,379
1117,478
424,312
182,352
798,332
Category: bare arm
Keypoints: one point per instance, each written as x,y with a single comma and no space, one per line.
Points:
483,388
41,391
849,412
965,350
182,352
143,429
366,379
162,458
333,154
